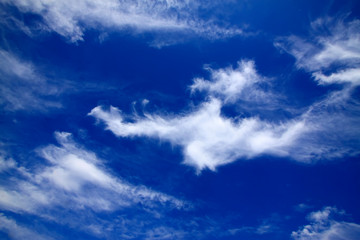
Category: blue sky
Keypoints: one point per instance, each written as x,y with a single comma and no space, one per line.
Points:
179,119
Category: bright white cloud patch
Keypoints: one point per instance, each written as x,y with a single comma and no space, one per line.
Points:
210,139
233,84
74,177
70,19
336,45
351,75
323,226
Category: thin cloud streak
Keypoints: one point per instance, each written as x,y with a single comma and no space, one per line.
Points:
71,19
26,85
74,177
17,232
23,87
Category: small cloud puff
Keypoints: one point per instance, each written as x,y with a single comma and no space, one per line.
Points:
324,226
231,84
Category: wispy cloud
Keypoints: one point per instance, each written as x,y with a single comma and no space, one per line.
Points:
210,139
17,232
74,177
74,189
259,230
323,225
331,53
23,87
31,86
6,164
351,75
142,225
302,207
71,19
268,226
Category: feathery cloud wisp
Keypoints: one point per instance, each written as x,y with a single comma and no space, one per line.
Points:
17,232
335,44
71,19
75,176
210,139
22,87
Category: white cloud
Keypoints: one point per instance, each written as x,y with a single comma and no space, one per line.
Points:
22,87
210,139
6,164
351,75
70,19
333,48
17,232
11,65
323,226
233,84
75,177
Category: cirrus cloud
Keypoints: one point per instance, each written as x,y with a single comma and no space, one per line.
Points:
73,176
331,53
71,19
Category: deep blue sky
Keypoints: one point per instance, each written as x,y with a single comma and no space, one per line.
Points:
179,119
